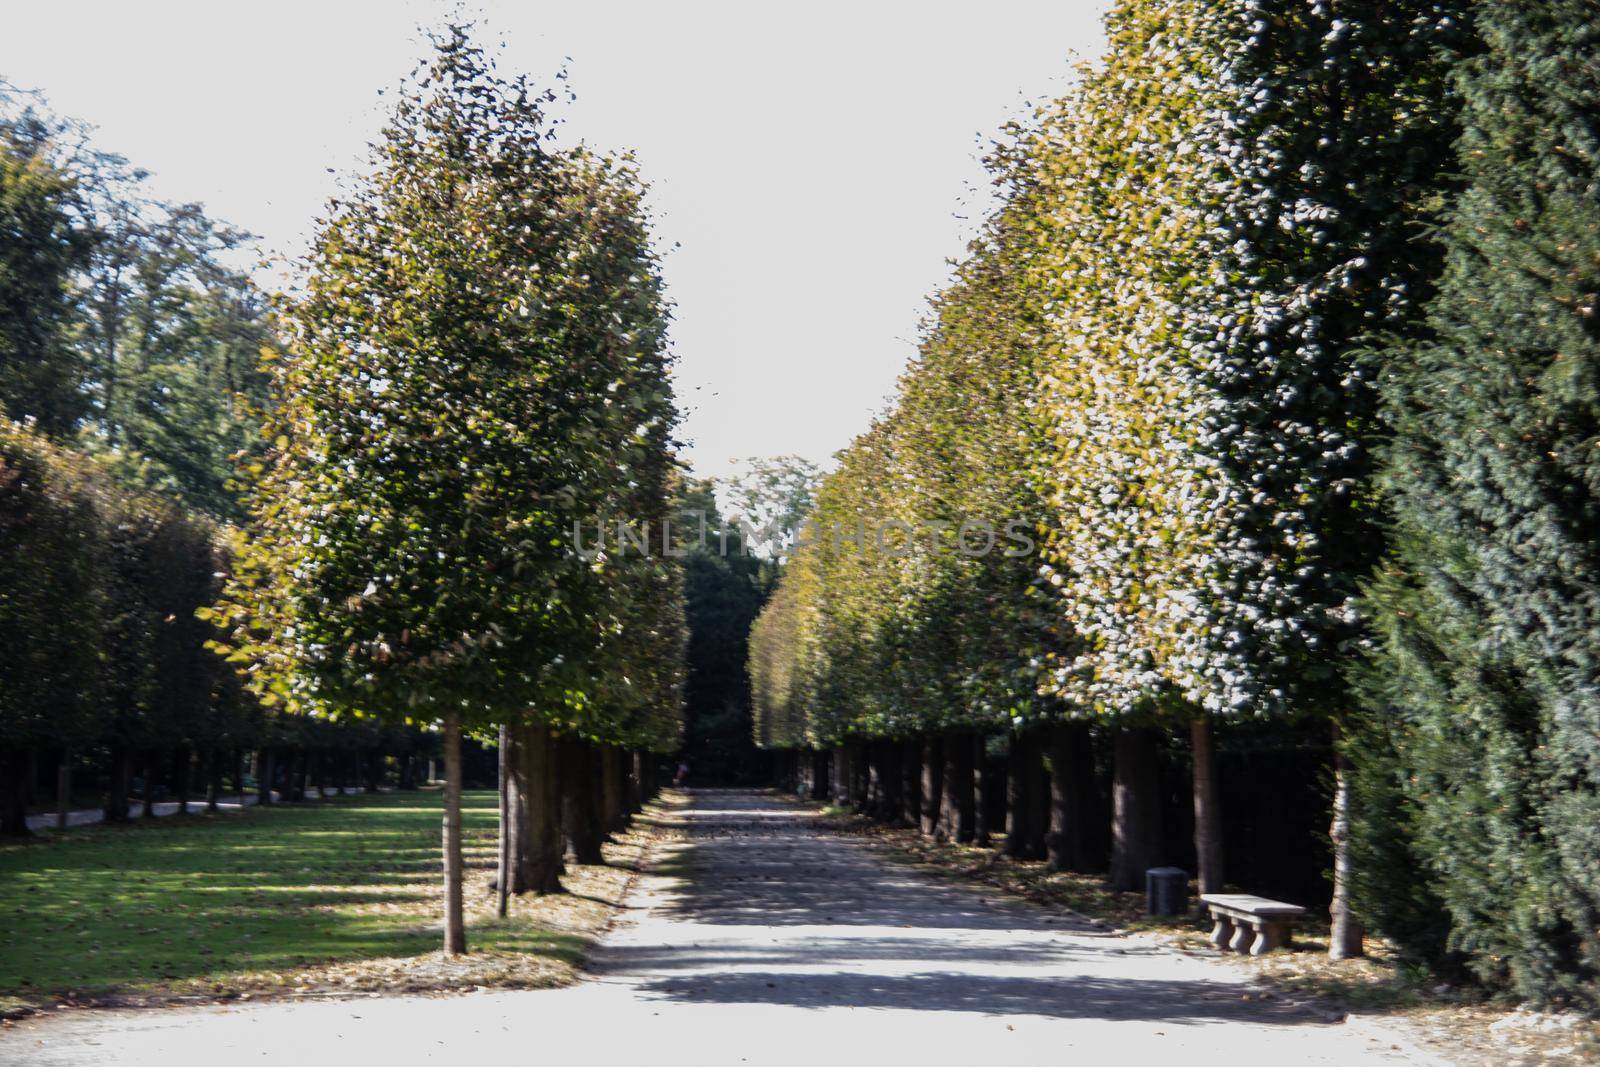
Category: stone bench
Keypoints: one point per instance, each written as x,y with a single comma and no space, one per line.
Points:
1250,924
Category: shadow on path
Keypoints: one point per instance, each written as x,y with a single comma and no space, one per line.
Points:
766,907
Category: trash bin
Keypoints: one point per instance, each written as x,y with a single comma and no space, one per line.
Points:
1166,890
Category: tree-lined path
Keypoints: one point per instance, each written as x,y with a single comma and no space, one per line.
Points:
757,936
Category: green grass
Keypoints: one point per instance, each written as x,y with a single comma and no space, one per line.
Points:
219,903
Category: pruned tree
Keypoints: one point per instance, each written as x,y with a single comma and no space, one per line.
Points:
477,366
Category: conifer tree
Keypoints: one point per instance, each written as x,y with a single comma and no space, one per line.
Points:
1480,753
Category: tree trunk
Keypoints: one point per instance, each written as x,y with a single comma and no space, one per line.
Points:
238,775
1207,811
1346,938
819,774
932,784
30,778
294,790
502,877
633,782
213,781
455,925
1024,773
116,809
1039,814
147,809
861,780
986,783
182,763
616,792
318,760
958,813
594,777
890,783
645,762
517,790
850,791
582,792
1071,797
264,774
542,800
1136,830
64,790
14,795
911,783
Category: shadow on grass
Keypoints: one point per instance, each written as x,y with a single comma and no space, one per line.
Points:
266,890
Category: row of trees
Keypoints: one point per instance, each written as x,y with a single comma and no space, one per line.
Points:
128,355
1289,409
109,677
737,524
322,534
476,371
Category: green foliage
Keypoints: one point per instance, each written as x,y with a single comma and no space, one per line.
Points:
40,255
173,340
724,589
122,319
1232,206
775,662
1117,225
1483,706
1216,254
53,606
478,367
772,493
123,333
883,625
99,615
1325,152
1152,352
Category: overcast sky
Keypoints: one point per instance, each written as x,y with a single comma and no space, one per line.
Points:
810,163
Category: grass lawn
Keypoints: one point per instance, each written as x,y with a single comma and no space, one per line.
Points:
342,894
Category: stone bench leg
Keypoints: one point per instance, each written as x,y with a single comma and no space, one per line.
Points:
1243,935
1272,935
1222,932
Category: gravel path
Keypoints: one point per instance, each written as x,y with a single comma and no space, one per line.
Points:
759,938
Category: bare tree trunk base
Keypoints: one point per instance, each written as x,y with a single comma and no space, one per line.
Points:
455,927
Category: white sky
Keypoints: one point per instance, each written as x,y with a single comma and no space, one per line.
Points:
809,161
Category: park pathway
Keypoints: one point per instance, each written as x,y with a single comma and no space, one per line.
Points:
760,938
